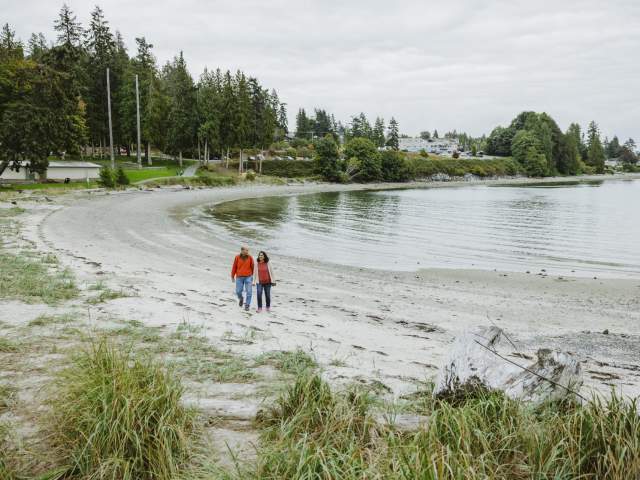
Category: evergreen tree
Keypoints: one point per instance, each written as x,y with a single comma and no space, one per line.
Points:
283,123
613,149
595,152
143,65
156,125
182,107
101,48
393,137
37,47
303,124
575,131
378,132
10,46
426,135
435,134
68,28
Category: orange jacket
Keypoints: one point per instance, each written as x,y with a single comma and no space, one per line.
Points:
242,267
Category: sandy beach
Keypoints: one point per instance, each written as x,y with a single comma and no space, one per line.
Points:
361,324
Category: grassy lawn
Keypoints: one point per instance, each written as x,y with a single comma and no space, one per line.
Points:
136,175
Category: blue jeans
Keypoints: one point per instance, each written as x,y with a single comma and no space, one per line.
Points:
266,287
244,283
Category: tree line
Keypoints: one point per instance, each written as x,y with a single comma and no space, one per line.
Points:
323,123
540,146
53,98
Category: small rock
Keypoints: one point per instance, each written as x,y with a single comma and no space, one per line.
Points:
605,331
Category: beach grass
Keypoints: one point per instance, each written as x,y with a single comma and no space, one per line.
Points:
107,294
116,415
294,361
312,432
28,277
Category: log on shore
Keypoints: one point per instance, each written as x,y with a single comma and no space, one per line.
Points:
474,361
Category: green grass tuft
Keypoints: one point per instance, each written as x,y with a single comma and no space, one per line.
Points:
292,362
7,345
45,320
27,277
118,416
107,294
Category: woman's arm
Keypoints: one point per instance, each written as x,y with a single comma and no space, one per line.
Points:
271,275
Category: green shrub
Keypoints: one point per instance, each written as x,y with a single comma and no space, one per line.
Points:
395,167
425,168
288,168
250,175
118,416
107,177
121,178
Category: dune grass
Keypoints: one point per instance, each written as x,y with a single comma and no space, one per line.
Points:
295,361
312,432
28,277
107,294
118,416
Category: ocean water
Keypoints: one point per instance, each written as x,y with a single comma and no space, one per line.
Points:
582,229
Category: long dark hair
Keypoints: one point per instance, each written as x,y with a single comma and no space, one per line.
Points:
266,257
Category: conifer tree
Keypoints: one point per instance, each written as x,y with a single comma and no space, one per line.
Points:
393,138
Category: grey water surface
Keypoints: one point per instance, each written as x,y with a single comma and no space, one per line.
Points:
579,228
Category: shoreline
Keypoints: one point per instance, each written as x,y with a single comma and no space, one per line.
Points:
373,325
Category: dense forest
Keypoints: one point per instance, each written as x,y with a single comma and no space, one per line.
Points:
53,98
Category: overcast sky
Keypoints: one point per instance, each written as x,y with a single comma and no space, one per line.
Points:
463,64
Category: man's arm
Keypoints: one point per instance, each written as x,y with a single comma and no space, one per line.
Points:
234,269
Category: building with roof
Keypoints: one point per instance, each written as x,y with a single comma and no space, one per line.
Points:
438,146
57,170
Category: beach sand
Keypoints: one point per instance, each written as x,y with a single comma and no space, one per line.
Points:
391,328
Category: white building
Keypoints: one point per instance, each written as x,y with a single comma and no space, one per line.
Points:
57,170
438,146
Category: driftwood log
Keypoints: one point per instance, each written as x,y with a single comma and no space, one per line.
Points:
478,359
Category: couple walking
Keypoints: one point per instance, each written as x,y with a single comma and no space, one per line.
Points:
246,272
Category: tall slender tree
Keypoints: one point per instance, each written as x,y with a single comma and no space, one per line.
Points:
393,137
595,151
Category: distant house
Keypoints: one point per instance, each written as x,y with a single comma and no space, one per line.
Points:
438,146
56,171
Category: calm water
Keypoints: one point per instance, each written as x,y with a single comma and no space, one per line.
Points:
579,229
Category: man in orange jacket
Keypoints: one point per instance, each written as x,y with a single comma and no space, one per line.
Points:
242,275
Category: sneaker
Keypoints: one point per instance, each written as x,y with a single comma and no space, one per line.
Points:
259,310
246,308
268,309
240,302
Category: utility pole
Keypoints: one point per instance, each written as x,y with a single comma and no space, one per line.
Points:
138,121
113,159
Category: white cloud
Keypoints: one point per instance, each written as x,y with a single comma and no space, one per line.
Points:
464,64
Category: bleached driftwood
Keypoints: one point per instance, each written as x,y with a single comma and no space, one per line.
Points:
475,360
